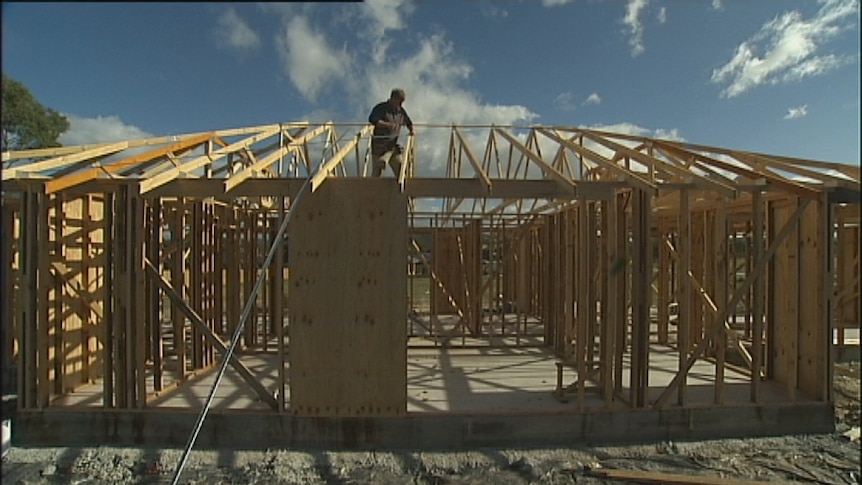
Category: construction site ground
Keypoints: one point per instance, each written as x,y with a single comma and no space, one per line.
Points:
832,458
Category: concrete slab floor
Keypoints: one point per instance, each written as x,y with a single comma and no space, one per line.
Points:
455,380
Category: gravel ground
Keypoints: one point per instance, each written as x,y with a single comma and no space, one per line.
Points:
827,459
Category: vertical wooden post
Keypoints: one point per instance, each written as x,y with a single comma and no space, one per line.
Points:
568,260
196,271
620,290
610,299
121,295
719,260
826,259
549,283
233,288
248,278
43,289
153,296
583,275
757,211
57,324
222,237
266,289
683,251
7,284
278,306
178,282
89,275
593,259
697,331
27,301
109,399
662,300
749,266
209,282
843,261
641,293
137,300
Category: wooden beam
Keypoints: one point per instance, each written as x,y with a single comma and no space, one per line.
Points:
74,287
778,181
336,159
758,220
647,477
642,264
111,169
159,140
53,163
480,173
406,163
650,160
584,296
741,291
778,164
259,165
632,178
424,187
549,171
713,308
171,174
217,342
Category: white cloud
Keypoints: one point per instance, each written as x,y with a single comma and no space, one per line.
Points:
565,101
662,15
234,33
785,49
627,128
635,28
308,59
101,129
554,3
493,11
797,112
427,67
381,16
813,67
433,77
593,98
717,5
387,14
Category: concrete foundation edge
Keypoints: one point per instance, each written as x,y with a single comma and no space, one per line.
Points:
166,429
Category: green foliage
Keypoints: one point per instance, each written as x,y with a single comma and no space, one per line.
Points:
26,124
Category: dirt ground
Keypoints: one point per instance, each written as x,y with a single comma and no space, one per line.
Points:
828,459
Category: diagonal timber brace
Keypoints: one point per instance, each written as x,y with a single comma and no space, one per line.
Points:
718,323
243,371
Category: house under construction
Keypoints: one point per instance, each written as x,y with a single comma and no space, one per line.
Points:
557,285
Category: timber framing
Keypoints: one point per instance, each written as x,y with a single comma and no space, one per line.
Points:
127,265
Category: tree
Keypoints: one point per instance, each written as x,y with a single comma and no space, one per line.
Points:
26,124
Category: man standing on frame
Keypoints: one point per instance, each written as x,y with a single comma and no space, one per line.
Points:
388,117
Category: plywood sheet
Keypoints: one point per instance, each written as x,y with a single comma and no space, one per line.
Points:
347,251
785,314
813,320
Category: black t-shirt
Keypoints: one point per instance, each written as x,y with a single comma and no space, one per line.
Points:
385,138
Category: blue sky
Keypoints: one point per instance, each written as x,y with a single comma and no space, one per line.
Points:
774,76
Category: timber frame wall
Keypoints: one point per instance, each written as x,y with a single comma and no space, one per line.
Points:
128,264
